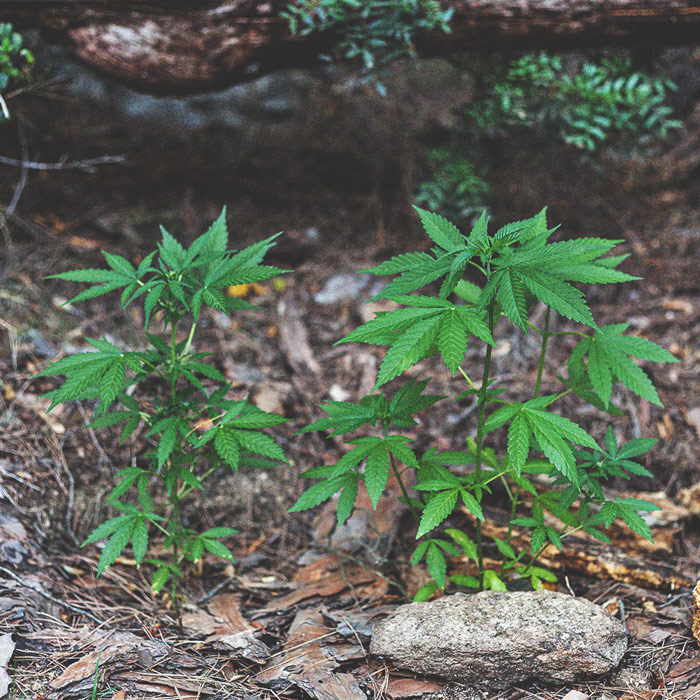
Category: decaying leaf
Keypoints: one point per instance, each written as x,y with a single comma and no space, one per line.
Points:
329,576
225,625
308,662
399,688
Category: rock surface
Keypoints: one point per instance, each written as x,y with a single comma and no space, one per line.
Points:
495,639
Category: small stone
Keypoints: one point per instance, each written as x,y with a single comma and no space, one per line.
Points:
576,695
496,639
340,287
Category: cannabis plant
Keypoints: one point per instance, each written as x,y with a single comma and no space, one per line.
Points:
553,472
192,424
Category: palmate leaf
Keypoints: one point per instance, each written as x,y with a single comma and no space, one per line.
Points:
545,270
557,294
609,360
429,325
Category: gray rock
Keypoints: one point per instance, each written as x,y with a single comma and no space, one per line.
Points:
341,286
495,639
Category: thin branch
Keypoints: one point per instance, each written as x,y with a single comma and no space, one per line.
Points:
62,165
21,183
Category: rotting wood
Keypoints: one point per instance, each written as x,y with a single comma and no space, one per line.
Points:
194,44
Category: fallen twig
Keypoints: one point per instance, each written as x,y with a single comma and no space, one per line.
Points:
62,165
48,596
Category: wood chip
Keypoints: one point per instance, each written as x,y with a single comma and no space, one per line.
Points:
411,688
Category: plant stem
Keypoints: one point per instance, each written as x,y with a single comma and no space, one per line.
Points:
543,352
190,337
173,355
397,474
536,556
480,442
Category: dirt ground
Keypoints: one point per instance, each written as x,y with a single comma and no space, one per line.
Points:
338,181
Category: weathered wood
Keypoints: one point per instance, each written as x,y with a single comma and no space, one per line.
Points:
193,44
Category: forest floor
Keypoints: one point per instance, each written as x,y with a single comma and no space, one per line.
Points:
300,596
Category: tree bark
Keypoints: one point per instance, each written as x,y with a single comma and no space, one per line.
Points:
187,45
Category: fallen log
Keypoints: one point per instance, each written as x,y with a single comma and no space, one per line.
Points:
189,45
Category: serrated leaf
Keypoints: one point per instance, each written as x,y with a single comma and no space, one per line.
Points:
635,448
260,444
442,231
171,252
116,544
396,444
557,452
112,382
226,445
166,445
512,298
425,591
110,419
139,540
376,473
452,340
411,347
120,265
518,442
346,500
218,549
437,566
437,510
106,529
557,294
399,263
159,579
552,423
88,275
318,493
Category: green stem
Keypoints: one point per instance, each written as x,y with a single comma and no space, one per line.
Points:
397,474
189,489
543,352
480,443
190,337
536,556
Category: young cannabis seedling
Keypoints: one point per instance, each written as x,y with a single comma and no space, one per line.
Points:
553,471
181,400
